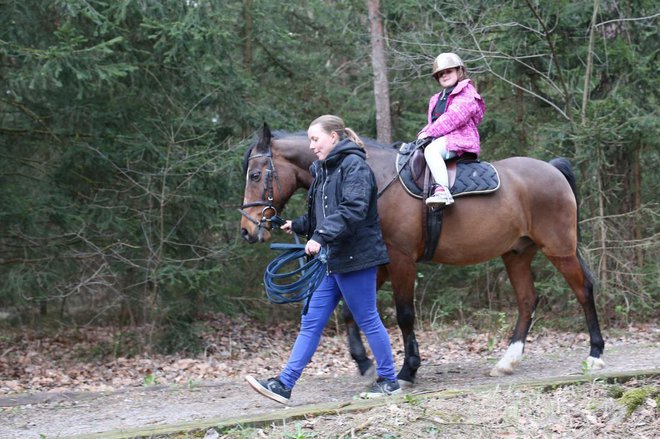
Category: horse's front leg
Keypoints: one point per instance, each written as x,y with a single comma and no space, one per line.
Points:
355,345
402,276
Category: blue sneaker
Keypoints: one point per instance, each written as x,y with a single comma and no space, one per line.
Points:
382,387
271,388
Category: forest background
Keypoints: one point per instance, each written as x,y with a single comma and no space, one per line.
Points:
123,124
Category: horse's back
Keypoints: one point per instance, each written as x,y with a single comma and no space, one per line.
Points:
536,181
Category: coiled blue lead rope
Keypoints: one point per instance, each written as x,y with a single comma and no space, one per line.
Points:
307,277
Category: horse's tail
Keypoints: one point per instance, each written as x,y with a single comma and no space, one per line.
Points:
564,166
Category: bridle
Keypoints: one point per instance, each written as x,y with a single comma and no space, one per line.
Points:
266,197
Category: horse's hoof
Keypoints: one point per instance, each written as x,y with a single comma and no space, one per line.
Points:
500,372
414,362
595,363
405,384
369,375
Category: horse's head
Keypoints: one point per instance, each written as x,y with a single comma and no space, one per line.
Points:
275,167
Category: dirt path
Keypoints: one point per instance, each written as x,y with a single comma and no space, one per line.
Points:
66,414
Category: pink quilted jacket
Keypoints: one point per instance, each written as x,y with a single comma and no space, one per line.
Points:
465,110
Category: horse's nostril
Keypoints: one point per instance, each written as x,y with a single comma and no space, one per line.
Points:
246,235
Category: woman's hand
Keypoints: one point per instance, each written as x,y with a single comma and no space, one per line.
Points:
312,247
287,227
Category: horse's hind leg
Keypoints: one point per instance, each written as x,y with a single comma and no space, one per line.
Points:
518,267
579,279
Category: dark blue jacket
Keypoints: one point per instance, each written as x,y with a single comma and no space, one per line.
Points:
342,213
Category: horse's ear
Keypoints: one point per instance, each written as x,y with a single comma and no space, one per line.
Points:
263,144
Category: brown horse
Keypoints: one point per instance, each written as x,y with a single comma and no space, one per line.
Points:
534,209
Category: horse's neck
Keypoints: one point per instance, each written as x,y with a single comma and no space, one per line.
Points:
380,159
301,157
305,178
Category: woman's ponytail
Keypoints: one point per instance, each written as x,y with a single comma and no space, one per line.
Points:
350,134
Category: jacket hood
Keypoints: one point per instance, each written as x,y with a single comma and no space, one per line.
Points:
341,150
460,86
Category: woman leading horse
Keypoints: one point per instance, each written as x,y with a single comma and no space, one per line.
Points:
534,209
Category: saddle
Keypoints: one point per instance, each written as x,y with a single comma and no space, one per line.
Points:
467,176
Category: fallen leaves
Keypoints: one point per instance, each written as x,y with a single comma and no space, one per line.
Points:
70,360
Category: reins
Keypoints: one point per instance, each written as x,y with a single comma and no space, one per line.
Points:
382,191
308,275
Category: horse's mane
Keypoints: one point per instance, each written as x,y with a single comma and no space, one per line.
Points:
280,135
276,135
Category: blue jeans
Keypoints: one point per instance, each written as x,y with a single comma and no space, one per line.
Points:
358,289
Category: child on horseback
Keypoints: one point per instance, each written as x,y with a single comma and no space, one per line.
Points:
453,116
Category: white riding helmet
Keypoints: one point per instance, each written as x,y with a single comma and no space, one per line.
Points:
446,61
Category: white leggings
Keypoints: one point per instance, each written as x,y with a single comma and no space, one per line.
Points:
435,154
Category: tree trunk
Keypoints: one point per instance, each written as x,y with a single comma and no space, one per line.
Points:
587,74
379,65
637,201
520,119
602,237
248,39
247,35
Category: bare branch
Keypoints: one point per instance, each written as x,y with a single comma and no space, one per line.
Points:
536,95
650,17
553,52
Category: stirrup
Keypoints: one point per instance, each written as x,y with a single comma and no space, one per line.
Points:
448,198
441,196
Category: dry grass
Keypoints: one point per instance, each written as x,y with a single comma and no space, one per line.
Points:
578,411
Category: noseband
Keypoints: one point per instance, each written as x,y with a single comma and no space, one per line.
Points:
267,196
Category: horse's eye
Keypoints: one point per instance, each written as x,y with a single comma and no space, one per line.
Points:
255,176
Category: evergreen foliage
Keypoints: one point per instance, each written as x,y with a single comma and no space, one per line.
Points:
123,123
